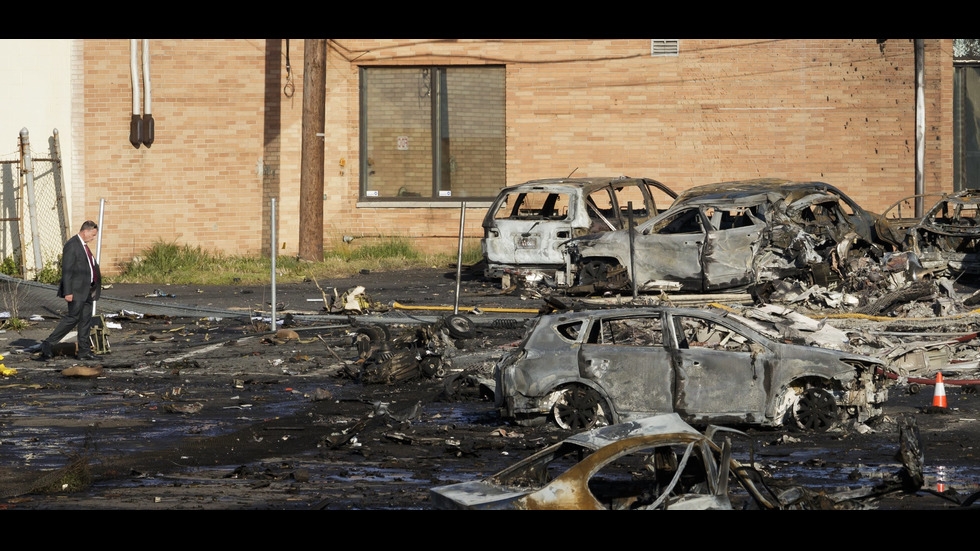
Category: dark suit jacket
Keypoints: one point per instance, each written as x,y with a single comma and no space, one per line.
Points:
76,277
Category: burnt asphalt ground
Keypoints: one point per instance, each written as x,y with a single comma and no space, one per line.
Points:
258,439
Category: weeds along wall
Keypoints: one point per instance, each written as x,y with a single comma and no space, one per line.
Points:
229,113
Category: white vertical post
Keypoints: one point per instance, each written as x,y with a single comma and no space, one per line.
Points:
459,253
273,235
98,245
920,123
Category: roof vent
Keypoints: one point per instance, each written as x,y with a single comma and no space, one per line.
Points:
664,47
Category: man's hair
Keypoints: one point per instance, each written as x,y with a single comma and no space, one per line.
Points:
89,225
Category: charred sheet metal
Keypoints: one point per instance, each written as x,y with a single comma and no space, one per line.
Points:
657,462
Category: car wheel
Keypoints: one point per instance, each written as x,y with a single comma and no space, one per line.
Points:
593,272
459,326
431,367
816,410
578,408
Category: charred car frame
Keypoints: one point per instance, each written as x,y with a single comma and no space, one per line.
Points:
947,237
594,367
658,462
527,225
730,236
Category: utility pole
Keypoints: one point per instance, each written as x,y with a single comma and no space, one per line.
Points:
311,170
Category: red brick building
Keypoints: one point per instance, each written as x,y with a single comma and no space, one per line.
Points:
415,126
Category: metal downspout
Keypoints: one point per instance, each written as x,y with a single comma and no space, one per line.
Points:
136,122
147,116
920,125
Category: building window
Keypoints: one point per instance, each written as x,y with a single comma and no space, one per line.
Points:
432,133
966,113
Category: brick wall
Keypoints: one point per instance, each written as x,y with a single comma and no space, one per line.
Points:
228,138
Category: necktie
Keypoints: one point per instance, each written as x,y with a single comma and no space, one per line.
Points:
91,264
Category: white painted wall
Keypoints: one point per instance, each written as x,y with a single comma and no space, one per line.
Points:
35,93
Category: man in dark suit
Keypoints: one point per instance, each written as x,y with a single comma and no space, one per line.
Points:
81,285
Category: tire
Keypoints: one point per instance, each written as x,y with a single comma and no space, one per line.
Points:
430,366
593,272
460,326
579,408
816,410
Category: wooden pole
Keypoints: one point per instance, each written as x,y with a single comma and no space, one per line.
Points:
311,170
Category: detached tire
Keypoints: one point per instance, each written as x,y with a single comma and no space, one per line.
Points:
460,326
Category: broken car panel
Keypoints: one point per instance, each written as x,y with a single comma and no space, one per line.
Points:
658,462
527,225
727,237
586,368
662,463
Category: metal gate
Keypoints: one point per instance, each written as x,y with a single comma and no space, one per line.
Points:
34,221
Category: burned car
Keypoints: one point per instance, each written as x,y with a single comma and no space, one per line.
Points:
593,367
527,224
864,221
729,237
658,462
948,236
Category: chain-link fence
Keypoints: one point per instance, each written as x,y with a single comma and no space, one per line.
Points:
33,211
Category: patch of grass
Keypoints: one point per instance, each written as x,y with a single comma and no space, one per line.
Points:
13,324
177,264
50,273
9,266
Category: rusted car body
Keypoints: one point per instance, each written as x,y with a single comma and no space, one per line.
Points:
948,235
591,367
729,237
658,462
527,225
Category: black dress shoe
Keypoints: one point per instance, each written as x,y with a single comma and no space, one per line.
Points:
87,356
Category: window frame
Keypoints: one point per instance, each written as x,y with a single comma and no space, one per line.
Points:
438,111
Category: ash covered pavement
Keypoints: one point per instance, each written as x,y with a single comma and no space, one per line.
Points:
199,404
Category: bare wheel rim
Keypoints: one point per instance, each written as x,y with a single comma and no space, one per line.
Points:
577,409
816,410
460,326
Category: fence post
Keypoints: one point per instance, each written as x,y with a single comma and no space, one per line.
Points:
59,188
25,149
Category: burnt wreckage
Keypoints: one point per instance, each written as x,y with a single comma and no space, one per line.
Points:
948,236
596,367
732,236
527,225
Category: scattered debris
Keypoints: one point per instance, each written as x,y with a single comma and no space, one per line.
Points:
82,371
184,407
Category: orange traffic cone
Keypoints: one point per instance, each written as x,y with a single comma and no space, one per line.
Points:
939,397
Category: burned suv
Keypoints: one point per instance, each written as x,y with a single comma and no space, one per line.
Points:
729,236
595,367
527,225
